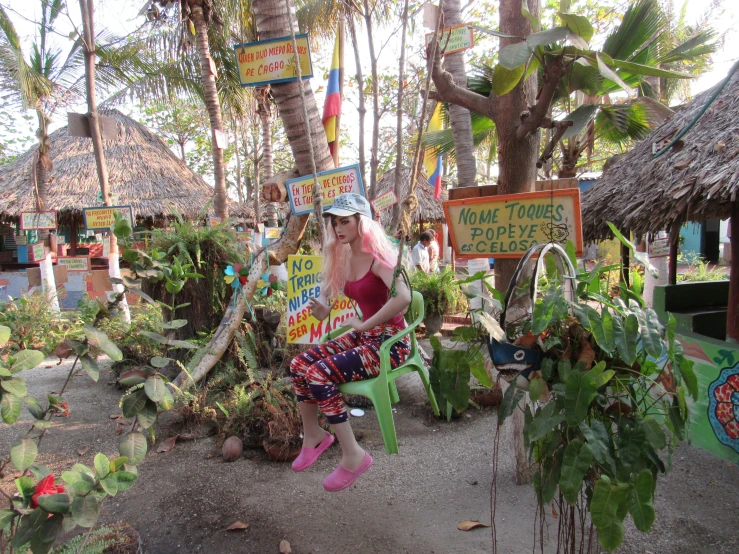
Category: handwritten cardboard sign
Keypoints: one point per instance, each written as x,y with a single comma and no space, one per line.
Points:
304,283
272,232
273,61
38,220
75,263
454,39
101,218
506,226
384,201
333,183
36,251
659,248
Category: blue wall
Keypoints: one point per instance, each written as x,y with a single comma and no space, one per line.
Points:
691,233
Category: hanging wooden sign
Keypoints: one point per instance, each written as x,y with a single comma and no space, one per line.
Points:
272,232
272,61
506,226
101,218
384,201
659,248
454,39
45,220
36,252
333,183
75,263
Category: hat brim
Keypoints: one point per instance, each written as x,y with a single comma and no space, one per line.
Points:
339,212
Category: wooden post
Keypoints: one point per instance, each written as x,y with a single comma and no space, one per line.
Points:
73,239
674,250
732,317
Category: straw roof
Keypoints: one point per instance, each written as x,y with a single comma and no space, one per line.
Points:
143,172
429,209
698,178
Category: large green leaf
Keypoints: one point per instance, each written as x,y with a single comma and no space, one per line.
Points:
549,36
580,117
4,335
100,339
602,327
134,447
544,422
23,453
55,503
148,415
625,335
10,408
641,257
505,80
600,443
28,525
133,403
511,398
125,479
102,465
155,388
546,483
110,484
33,407
604,507
580,392
85,510
43,540
536,387
689,377
654,433
515,55
91,367
640,500
611,75
26,359
651,332
15,386
575,464
578,24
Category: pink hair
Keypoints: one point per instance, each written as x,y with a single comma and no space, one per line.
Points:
336,262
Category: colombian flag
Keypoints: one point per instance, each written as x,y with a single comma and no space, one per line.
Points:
431,161
332,104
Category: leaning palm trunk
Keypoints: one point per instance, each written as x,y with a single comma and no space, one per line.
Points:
273,20
265,119
208,78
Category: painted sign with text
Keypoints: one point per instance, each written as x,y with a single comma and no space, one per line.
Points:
506,226
38,220
272,232
659,248
36,251
75,263
272,61
454,39
384,201
101,218
304,283
333,183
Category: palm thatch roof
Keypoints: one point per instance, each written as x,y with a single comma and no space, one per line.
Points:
143,172
429,209
696,179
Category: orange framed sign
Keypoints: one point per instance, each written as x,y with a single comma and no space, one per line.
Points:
454,39
506,226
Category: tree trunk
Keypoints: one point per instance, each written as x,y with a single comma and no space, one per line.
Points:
182,151
361,109
208,79
265,118
273,21
399,130
374,160
459,117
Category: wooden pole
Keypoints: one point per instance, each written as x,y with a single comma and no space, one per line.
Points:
674,250
732,317
73,239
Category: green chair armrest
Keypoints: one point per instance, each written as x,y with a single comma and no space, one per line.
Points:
331,335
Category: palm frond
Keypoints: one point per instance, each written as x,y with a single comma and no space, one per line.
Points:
641,22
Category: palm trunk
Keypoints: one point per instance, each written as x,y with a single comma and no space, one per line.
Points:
265,119
399,130
182,151
459,117
220,197
273,20
239,191
374,160
362,110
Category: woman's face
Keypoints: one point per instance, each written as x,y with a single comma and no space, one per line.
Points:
346,228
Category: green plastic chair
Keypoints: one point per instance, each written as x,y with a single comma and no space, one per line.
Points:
381,390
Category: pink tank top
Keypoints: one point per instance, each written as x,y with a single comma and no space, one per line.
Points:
371,293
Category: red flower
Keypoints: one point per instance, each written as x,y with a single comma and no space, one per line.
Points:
45,486
64,409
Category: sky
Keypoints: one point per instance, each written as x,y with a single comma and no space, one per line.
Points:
121,17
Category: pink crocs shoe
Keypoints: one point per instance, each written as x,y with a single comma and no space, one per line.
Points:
342,478
308,456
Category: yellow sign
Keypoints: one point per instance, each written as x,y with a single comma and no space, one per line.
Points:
38,220
272,61
272,232
37,250
304,283
454,39
384,201
332,182
100,219
506,226
75,263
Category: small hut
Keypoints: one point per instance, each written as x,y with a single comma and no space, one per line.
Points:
143,172
430,210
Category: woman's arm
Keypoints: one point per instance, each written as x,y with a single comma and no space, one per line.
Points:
395,304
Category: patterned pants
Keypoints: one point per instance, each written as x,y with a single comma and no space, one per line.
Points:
353,356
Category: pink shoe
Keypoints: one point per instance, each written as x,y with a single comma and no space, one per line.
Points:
342,478
308,456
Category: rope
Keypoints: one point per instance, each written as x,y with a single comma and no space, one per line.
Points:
317,194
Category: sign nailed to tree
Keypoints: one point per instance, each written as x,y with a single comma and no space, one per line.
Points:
272,61
506,226
333,183
100,219
38,220
454,39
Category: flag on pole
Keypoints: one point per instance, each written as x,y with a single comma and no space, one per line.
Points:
332,104
432,161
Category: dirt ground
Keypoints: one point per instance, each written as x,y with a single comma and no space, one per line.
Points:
409,503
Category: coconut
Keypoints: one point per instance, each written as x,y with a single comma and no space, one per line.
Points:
232,448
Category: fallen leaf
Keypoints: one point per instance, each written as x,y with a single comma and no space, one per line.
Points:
63,350
554,511
82,450
237,526
470,524
587,354
285,547
472,481
168,445
115,416
187,437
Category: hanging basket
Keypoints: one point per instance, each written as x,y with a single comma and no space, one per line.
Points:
515,362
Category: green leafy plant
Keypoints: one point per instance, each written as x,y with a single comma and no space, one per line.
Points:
699,270
441,293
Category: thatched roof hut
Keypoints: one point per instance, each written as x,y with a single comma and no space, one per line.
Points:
697,179
429,209
143,172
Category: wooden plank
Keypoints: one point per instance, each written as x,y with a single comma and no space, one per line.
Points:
462,193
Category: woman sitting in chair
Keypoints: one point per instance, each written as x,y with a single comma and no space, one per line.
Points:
359,262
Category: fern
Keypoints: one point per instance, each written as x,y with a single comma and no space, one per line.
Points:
100,539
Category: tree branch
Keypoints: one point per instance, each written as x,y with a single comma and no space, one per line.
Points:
448,91
561,127
537,114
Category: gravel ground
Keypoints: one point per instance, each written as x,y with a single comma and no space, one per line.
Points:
409,503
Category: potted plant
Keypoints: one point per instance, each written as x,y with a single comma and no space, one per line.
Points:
441,295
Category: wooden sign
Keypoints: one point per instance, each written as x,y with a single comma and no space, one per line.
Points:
333,183
272,232
454,39
273,61
36,252
384,201
75,263
659,248
260,227
506,226
101,218
38,220
213,220
78,125
5,230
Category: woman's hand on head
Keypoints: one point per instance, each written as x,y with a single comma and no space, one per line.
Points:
318,309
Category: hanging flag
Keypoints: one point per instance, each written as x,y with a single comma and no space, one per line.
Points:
432,161
332,104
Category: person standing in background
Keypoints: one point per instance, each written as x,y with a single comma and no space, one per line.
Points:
433,250
420,253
